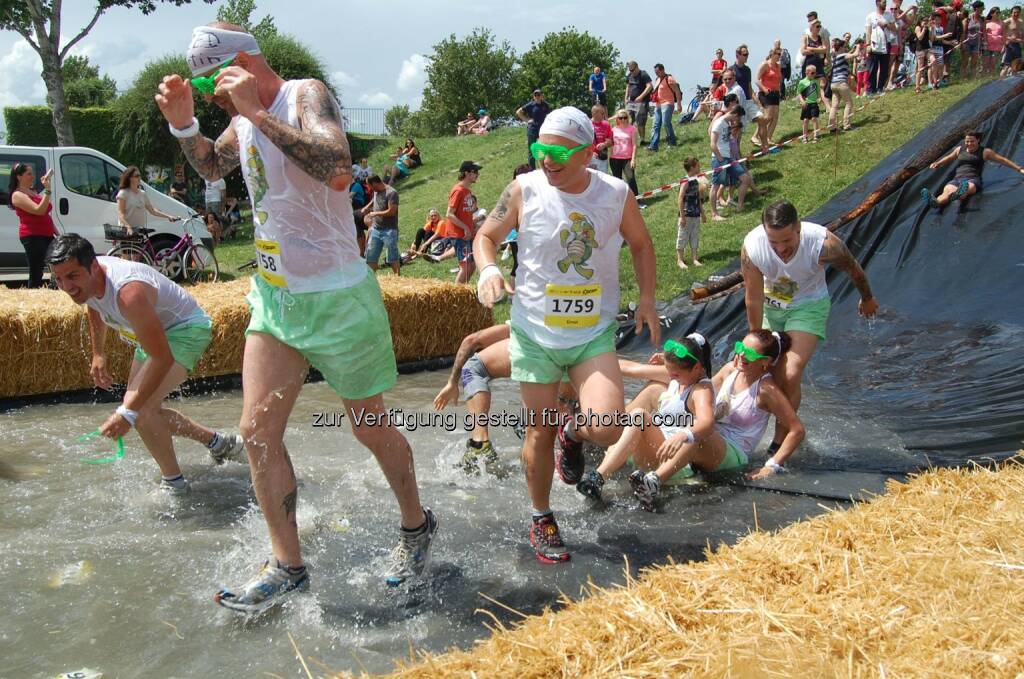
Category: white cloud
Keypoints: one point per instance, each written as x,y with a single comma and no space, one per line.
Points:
21,81
376,99
413,75
343,79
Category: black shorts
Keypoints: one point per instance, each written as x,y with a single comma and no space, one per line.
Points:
809,111
768,98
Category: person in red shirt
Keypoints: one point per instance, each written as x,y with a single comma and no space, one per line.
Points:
602,138
718,66
35,226
459,227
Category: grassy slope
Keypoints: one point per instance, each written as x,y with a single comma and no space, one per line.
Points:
805,175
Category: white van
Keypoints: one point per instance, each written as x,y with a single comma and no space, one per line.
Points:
84,191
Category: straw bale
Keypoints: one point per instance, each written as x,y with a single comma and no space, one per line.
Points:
927,580
44,336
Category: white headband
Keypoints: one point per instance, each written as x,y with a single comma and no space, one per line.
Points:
211,47
571,123
698,338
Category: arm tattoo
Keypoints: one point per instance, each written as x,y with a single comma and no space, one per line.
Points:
212,160
501,210
318,145
835,252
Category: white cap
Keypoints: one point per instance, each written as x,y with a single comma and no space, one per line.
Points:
571,123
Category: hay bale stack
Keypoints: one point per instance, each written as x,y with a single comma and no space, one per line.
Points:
924,581
44,336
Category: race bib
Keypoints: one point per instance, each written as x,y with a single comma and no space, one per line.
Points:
780,294
128,336
268,257
572,306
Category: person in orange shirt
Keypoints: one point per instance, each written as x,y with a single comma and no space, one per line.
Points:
670,99
458,227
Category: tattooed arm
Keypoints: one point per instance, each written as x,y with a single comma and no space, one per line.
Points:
753,291
835,252
212,160
318,145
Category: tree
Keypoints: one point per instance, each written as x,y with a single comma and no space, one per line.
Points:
239,12
83,84
464,75
561,63
39,23
395,120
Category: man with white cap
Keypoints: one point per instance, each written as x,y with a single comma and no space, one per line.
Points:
571,221
313,300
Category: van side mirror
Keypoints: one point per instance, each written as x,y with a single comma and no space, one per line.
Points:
63,206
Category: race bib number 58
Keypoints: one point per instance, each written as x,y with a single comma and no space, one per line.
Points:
268,256
572,306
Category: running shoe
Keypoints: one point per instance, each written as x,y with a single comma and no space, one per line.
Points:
547,541
569,459
412,553
645,488
929,198
176,487
472,455
591,484
272,586
229,447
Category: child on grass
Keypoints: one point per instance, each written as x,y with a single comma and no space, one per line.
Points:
691,214
808,91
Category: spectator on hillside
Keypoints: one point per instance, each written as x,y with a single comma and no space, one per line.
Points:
877,33
993,39
425,235
718,66
362,171
841,60
940,39
380,216
483,122
413,153
602,138
750,110
742,72
214,226
918,40
215,194
231,213
723,171
808,91
668,99
466,125
786,64
1013,38
826,38
598,87
816,52
639,88
897,38
864,66
459,226
533,114
769,86
625,141
402,166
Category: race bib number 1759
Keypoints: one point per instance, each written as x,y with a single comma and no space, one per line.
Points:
572,306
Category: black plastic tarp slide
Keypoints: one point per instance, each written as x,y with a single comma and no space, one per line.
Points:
938,377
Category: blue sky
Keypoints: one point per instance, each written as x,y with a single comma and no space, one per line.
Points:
375,49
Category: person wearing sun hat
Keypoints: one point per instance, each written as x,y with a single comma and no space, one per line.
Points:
572,221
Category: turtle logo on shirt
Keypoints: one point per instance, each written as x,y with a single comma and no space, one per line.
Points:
258,182
579,242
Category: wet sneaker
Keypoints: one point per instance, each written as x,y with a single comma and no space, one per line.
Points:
488,454
272,586
412,553
229,447
591,484
469,462
546,540
177,487
645,488
569,459
927,196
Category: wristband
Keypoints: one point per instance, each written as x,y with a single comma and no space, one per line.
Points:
46,192
487,273
774,466
129,415
185,132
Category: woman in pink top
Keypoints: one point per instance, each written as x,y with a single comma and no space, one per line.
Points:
35,227
624,145
993,40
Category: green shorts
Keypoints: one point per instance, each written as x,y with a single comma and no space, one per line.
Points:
538,364
188,342
810,317
734,459
343,333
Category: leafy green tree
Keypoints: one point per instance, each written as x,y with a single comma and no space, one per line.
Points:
561,63
239,12
463,75
39,23
83,84
395,120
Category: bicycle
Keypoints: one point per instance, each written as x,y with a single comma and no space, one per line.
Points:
701,93
187,259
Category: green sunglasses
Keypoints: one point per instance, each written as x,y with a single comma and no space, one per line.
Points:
679,350
558,153
206,84
748,353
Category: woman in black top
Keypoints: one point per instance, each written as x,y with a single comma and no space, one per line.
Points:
970,160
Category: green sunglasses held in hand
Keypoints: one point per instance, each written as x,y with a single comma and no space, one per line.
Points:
560,154
206,84
679,350
748,353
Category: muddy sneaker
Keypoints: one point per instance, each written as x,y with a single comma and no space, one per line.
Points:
569,459
176,486
272,586
412,553
227,447
928,198
591,484
469,462
546,540
645,488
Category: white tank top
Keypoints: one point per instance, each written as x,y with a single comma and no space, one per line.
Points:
742,424
305,236
174,306
567,285
672,407
792,283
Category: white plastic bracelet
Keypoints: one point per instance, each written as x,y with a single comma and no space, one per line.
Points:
487,273
185,132
129,415
774,466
